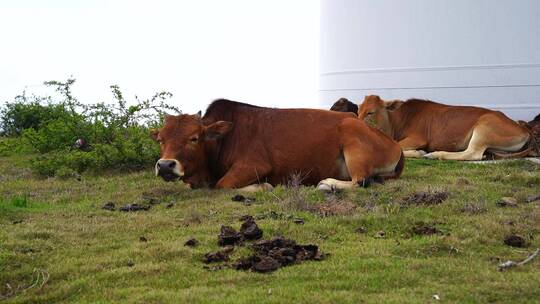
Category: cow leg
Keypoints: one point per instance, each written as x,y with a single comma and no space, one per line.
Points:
358,166
244,178
411,146
256,188
491,132
414,153
475,150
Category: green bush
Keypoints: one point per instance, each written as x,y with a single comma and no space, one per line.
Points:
23,114
14,146
116,135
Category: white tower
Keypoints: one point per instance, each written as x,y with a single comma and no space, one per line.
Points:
482,52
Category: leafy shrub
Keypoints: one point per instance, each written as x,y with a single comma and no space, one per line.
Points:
115,136
13,146
25,113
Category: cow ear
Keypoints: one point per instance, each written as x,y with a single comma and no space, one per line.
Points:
217,129
198,114
154,134
392,105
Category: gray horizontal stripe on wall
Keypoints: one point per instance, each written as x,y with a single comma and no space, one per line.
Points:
520,106
435,68
435,87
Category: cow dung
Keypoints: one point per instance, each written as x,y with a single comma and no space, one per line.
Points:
380,234
191,243
266,264
514,241
269,255
243,199
250,230
134,207
229,236
218,256
360,230
424,229
109,206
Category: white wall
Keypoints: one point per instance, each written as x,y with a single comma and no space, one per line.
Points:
481,52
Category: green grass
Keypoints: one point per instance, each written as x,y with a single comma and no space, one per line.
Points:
55,237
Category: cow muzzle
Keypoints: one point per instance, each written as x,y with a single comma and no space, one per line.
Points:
169,169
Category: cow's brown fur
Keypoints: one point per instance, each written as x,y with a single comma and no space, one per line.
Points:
448,132
235,145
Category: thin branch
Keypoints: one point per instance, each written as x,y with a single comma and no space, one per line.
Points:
510,264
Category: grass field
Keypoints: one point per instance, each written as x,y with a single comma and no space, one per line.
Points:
58,245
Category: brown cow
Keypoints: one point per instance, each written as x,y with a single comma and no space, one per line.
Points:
448,132
237,145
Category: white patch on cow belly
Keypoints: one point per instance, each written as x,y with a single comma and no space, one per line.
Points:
386,169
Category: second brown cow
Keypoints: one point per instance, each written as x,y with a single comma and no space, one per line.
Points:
447,132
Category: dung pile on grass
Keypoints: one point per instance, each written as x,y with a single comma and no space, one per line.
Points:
421,228
267,255
110,206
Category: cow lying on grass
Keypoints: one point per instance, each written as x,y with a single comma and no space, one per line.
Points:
237,145
448,132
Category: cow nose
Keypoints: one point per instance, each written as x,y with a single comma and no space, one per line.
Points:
166,165
169,169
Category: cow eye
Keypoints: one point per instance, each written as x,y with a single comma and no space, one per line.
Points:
193,139
370,113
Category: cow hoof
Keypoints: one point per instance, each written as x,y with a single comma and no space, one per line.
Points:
256,188
432,155
326,186
266,187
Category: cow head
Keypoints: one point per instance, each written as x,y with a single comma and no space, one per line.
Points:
185,143
344,105
374,111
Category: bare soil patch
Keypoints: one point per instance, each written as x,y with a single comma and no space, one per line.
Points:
424,198
334,207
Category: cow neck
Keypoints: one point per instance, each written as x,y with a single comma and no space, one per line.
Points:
397,124
231,111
